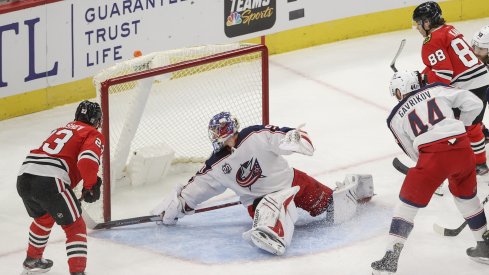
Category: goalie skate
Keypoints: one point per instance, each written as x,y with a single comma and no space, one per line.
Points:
267,241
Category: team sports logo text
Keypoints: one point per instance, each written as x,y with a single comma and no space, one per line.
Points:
247,16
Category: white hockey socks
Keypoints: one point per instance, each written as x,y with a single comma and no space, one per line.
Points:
402,224
273,224
473,213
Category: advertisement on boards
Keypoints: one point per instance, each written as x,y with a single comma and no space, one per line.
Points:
65,41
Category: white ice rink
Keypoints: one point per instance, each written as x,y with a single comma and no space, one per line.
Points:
341,91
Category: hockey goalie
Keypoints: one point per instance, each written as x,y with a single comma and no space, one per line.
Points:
250,162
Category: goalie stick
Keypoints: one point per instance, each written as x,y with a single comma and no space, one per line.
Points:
454,232
143,219
393,63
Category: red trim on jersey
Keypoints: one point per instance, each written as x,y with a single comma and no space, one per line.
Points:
26,4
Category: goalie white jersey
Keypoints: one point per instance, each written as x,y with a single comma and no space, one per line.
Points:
252,169
427,116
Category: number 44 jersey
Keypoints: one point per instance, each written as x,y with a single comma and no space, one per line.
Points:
426,117
450,60
70,153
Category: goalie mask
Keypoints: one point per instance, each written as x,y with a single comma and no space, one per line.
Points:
480,43
89,112
405,82
222,127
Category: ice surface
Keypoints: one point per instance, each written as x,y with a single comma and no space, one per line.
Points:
340,91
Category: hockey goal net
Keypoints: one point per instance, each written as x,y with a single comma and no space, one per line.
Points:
166,99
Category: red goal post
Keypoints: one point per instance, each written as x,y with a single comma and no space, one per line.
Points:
170,96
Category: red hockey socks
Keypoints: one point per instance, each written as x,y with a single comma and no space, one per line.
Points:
76,245
477,142
39,235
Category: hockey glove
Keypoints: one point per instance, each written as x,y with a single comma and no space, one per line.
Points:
297,141
171,208
92,194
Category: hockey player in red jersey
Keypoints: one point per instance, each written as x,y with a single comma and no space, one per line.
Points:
425,127
45,183
449,59
250,162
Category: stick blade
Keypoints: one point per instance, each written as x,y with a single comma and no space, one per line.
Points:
438,229
400,166
449,232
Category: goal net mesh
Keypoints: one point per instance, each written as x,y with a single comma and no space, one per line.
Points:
169,97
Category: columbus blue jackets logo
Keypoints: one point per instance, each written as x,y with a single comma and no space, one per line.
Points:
249,173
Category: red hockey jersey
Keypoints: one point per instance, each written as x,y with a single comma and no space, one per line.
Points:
70,153
450,60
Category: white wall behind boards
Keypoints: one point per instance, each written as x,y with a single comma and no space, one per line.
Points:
71,40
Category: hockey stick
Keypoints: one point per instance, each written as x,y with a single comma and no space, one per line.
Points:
453,232
144,219
393,63
401,167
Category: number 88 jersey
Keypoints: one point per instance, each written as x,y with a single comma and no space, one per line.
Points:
450,60
70,153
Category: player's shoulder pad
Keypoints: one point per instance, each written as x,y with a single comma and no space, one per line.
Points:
246,132
213,159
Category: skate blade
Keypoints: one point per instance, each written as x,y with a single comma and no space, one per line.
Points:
480,260
378,272
34,271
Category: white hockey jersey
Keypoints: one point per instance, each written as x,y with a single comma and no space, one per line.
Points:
253,169
427,116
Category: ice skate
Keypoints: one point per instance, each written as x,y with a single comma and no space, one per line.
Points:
481,169
36,266
480,253
78,273
388,264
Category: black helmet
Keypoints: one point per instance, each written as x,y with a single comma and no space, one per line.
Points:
89,112
429,10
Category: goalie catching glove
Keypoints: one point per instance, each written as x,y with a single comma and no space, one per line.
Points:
297,141
172,208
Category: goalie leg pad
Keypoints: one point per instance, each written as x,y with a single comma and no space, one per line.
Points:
353,190
344,205
273,224
364,183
